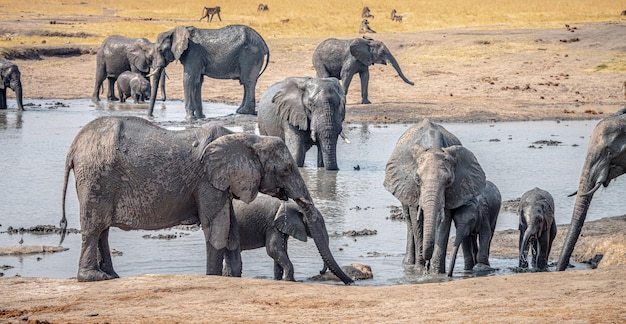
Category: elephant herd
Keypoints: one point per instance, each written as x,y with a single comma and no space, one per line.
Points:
132,174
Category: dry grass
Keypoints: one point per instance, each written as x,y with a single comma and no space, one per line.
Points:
149,17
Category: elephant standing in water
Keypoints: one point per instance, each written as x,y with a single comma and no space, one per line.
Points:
475,224
537,228
132,174
10,77
269,222
135,85
433,176
232,52
341,59
305,112
119,54
605,161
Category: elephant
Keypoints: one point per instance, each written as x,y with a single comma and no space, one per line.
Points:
132,174
268,222
10,77
341,59
537,228
118,54
432,175
133,84
475,224
605,160
232,52
305,111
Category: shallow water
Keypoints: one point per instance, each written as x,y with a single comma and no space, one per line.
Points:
34,144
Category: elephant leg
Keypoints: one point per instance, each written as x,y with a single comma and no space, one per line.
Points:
106,263
365,79
214,260
88,265
276,248
320,157
552,236
294,140
250,68
468,253
192,86
3,98
409,256
233,265
248,103
438,262
346,79
483,249
542,256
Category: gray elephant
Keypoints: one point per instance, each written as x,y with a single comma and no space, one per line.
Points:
432,175
10,77
135,85
537,228
268,222
305,112
605,161
232,52
475,224
118,54
132,174
342,58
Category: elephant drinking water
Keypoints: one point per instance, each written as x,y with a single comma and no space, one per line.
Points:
132,174
10,77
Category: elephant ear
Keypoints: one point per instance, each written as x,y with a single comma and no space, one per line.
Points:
290,104
400,174
180,40
338,89
360,49
288,220
469,177
138,58
233,165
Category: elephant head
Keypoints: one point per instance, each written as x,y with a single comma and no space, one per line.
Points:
605,161
169,47
434,178
369,52
245,164
141,55
536,210
316,105
10,77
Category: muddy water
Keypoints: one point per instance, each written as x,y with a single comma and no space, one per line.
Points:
34,144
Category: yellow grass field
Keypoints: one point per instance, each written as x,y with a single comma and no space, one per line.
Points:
321,18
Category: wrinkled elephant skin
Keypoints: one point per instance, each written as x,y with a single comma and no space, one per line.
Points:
537,228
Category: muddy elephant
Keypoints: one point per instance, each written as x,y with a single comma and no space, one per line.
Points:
342,58
132,174
537,228
118,54
305,112
268,222
432,175
135,85
10,77
475,224
605,161
232,52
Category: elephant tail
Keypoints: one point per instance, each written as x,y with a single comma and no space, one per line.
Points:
267,61
69,165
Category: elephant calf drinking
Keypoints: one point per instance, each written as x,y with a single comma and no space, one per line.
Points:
537,228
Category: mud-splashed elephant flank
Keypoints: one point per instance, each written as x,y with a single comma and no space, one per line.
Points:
10,78
605,160
342,58
233,52
132,174
432,175
268,222
305,112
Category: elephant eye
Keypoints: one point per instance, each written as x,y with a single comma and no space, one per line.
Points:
418,180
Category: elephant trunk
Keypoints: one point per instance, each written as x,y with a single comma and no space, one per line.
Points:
583,199
523,249
392,60
17,88
432,209
320,237
156,77
453,261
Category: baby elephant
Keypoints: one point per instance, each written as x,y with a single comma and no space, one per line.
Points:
133,84
536,227
475,224
269,222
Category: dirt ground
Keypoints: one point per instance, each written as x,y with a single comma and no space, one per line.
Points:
464,75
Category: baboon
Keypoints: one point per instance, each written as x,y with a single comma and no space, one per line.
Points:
366,13
263,7
210,12
365,27
395,17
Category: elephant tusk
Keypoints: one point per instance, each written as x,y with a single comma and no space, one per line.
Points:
153,72
344,137
592,191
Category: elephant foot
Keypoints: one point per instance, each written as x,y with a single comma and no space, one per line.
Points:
481,267
113,99
246,111
365,102
93,275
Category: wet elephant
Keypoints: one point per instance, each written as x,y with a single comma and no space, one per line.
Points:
10,77
132,174
305,112
432,175
342,58
537,228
